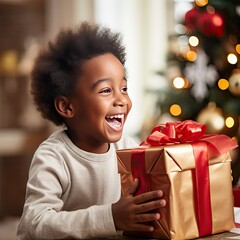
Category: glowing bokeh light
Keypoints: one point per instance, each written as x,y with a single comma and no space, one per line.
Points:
178,82
217,20
229,122
232,58
223,84
193,41
238,48
175,110
191,56
201,3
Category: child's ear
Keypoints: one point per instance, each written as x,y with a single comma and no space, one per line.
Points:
64,107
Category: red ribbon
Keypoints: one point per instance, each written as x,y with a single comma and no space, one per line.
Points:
205,146
139,170
202,192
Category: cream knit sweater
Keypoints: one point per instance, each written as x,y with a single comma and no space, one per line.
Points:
70,191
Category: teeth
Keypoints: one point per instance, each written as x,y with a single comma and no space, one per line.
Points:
115,121
116,116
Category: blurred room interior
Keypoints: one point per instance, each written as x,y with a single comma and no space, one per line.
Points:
155,39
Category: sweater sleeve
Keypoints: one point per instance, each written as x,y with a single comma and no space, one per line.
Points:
93,222
44,216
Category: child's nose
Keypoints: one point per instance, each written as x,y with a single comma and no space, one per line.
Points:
120,100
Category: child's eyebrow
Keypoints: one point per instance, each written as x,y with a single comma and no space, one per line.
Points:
101,81
105,80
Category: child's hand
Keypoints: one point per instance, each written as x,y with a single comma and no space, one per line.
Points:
131,213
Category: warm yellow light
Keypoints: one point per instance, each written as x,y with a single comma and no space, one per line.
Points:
193,41
232,58
223,84
191,56
175,110
178,82
238,48
201,3
229,122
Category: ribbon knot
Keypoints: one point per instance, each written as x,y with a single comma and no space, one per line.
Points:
176,132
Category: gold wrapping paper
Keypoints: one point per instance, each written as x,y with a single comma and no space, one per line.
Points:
170,169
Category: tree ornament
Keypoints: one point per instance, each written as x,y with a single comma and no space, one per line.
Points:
191,18
212,117
211,24
218,121
200,74
234,82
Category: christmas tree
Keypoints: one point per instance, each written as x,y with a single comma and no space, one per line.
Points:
204,70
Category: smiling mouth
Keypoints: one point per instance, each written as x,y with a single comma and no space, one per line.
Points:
115,121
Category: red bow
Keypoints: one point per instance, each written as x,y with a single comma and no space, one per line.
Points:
176,132
186,132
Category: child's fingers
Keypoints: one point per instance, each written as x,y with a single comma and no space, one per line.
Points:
147,217
149,206
145,197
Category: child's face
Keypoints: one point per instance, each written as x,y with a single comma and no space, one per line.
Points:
101,103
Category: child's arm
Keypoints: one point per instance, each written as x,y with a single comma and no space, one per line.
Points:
52,212
129,213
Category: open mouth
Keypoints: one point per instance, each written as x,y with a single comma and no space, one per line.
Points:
115,121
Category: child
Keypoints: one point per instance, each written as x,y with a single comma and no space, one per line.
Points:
74,187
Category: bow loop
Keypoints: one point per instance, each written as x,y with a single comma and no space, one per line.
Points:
176,132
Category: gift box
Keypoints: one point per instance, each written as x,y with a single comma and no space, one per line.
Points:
194,171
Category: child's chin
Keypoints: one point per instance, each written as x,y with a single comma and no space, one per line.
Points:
115,139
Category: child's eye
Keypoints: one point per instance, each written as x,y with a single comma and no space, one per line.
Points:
124,89
105,90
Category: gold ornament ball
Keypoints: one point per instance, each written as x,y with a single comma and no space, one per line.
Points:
234,82
213,118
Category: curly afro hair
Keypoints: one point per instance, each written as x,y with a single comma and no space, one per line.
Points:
58,67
